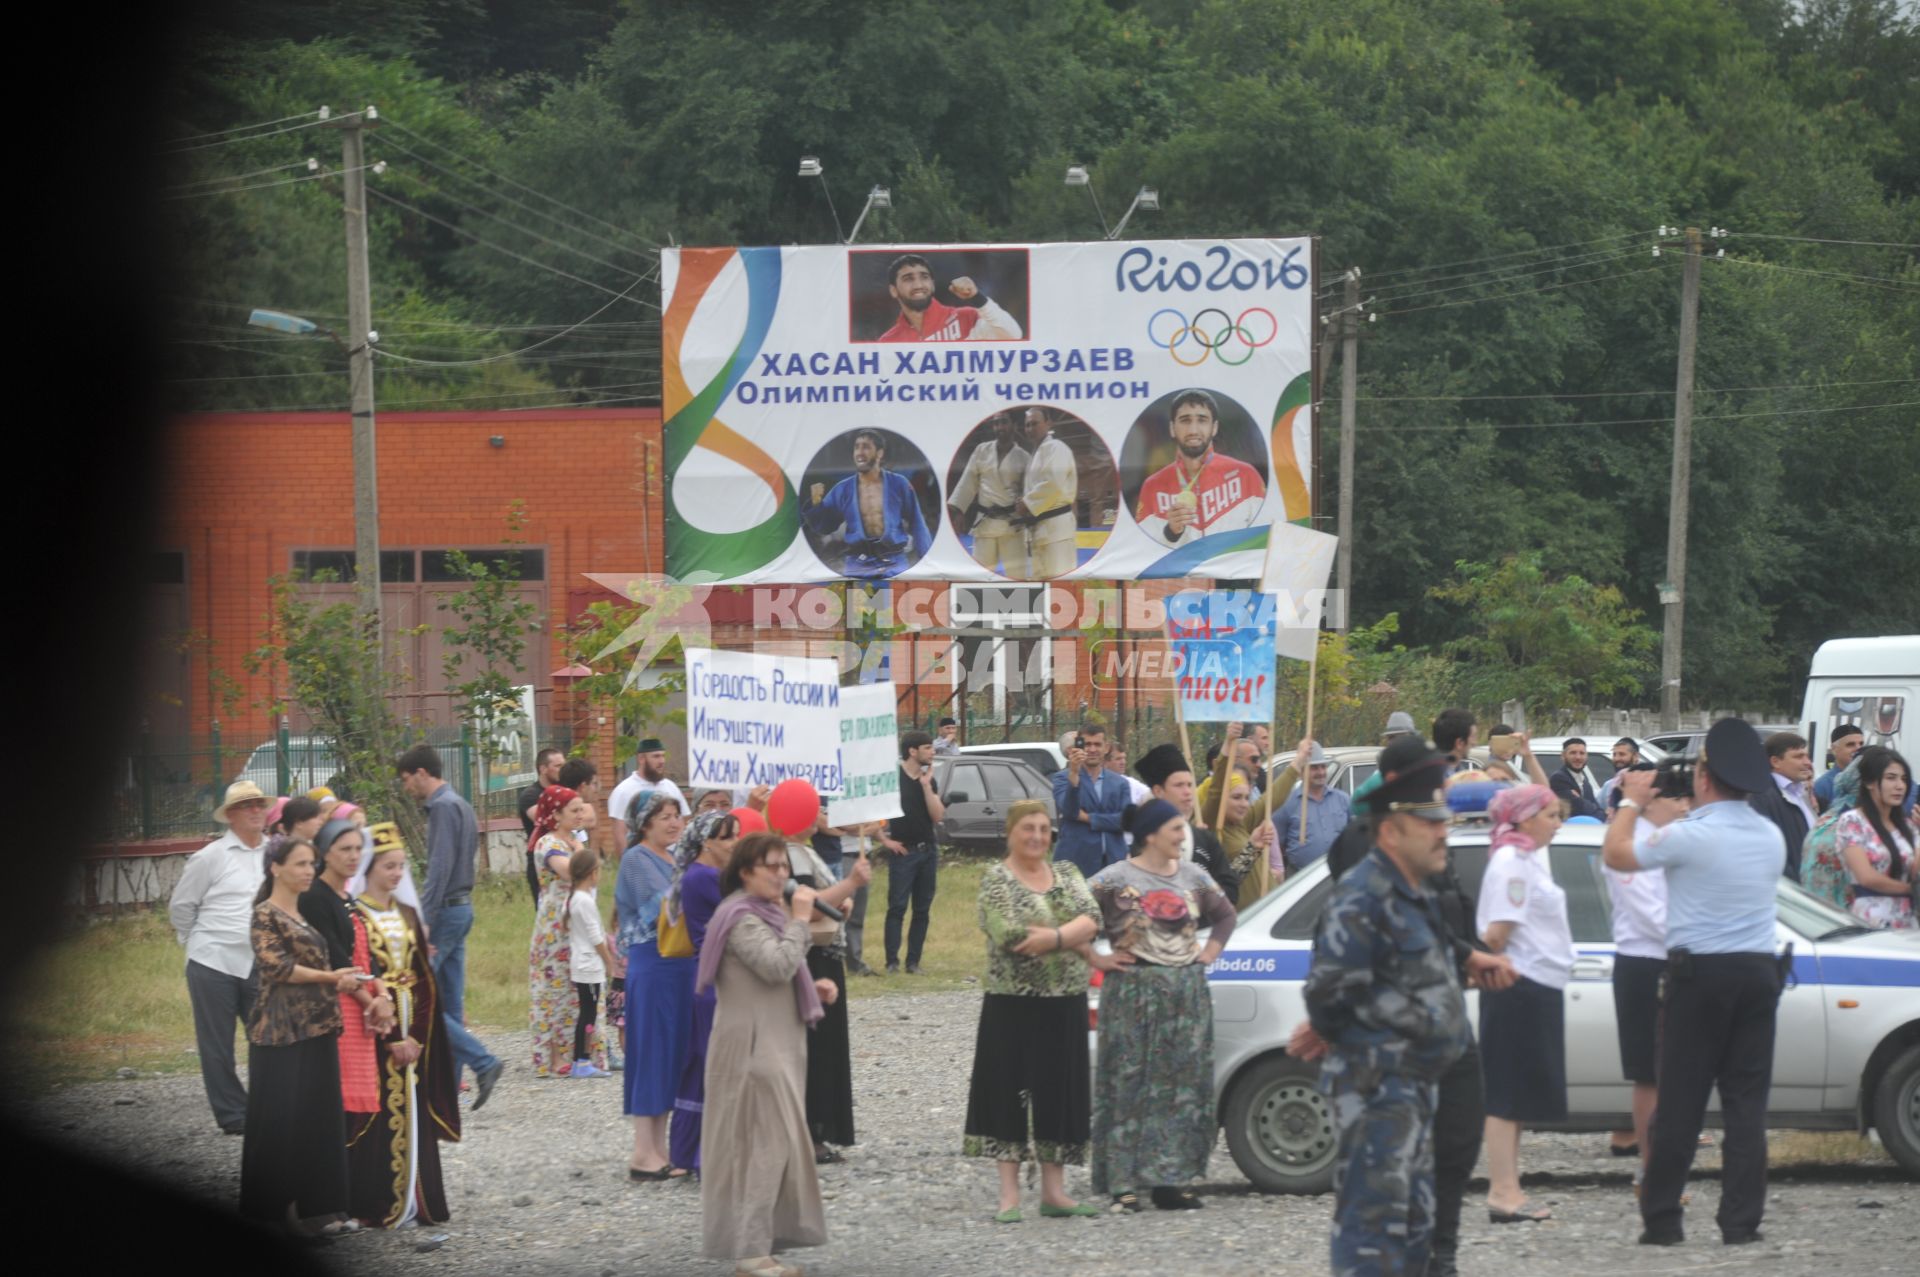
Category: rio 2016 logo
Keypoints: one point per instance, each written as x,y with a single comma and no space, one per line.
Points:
1211,334
1139,270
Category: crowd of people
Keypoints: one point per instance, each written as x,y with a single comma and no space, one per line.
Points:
720,992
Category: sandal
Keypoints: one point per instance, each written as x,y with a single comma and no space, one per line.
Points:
1176,1199
1525,1213
1128,1203
659,1176
826,1155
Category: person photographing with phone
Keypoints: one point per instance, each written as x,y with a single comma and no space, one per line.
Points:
915,869
1091,801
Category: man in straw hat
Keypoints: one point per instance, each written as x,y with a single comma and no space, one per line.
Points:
212,914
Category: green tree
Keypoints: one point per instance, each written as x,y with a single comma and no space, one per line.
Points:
1551,643
485,646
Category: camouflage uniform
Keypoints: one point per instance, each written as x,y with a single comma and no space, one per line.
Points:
1384,991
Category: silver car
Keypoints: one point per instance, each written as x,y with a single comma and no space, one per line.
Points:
1846,1055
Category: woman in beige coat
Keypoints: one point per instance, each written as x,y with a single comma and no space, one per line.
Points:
758,1190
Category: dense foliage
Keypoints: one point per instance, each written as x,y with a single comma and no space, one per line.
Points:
1496,170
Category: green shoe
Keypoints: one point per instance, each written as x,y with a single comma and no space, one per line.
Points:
1082,1211
1011,1215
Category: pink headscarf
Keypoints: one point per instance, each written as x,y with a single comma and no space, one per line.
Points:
1512,808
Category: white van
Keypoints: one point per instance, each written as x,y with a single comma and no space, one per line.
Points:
1869,682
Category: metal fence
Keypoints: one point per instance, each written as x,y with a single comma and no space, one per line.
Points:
168,786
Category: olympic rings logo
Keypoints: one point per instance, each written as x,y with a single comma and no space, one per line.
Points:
1211,338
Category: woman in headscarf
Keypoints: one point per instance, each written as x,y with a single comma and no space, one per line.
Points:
393,1149
553,1005
369,1009
1523,1035
759,1193
699,858
659,989
1153,1119
1823,870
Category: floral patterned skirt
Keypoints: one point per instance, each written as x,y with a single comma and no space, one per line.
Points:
1030,1093
1153,1120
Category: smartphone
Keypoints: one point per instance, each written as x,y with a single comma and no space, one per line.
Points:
1503,746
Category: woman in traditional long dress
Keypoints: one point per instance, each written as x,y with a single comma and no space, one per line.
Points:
393,1153
759,1192
659,989
552,1005
692,899
368,1010
293,1169
1153,1118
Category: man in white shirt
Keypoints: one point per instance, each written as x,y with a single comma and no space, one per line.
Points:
212,914
649,776
1639,902
1052,485
995,479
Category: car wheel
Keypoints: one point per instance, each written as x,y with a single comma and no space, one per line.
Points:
1896,1109
1280,1127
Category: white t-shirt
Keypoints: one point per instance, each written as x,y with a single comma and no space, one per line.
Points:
1519,888
1639,904
628,791
584,937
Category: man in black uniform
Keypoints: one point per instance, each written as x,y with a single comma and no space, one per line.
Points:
1723,981
1459,1118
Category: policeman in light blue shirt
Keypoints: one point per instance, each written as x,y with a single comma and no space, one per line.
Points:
1723,981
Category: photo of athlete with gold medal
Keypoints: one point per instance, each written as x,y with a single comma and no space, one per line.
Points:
1203,464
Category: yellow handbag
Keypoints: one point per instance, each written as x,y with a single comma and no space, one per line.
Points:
675,939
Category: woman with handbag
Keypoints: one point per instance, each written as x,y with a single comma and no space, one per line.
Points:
701,855
659,986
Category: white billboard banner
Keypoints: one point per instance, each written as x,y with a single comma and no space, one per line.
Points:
1022,412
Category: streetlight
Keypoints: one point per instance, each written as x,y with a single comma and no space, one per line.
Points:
810,167
1146,197
878,197
366,488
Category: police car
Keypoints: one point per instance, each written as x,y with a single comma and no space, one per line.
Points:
1846,1056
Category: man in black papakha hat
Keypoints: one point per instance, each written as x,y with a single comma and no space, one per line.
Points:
1723,864
1166,771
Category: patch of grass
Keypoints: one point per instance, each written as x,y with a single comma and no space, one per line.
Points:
1824,1148
113,995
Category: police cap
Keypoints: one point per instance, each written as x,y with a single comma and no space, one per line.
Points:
1410,773
1735,756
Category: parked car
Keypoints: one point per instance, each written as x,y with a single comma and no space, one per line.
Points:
1348,766
1690,742
1846,1057
310,763
977,789
1044,757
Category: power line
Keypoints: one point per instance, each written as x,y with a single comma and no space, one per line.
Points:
557,203
1520,252
334,405
261,186
195,137
308,163
254,137
1872,281
1544,288
1808,239
1594,259
1644,421
1635,394
557,221
579,252
511,354
438,221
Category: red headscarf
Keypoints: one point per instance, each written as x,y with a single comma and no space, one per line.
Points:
546,816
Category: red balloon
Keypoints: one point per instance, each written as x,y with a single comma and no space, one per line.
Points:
793,807
750,821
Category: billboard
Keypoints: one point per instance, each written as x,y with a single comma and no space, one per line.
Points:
1028,412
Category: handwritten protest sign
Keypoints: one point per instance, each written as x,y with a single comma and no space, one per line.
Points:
869,756
756,719
1222,644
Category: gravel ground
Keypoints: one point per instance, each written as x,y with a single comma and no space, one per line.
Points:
539,1186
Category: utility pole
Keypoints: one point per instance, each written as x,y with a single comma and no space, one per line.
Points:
360,339
1673,590
1349,387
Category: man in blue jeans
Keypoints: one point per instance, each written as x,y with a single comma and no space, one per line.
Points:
916,860
446,904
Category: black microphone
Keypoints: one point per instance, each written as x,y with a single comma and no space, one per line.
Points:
820,907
